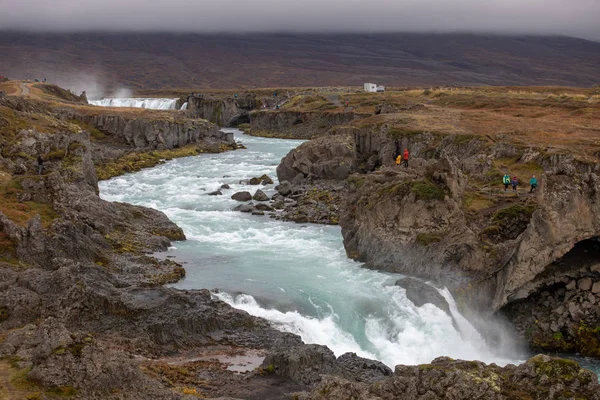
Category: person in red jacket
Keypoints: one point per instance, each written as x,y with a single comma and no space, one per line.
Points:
405,157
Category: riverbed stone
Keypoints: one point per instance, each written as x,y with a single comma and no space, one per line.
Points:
225,186
596,287
261,180
215,193
245,208
260,196
242,196
571,285
263,207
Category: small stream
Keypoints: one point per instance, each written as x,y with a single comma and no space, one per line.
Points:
295,275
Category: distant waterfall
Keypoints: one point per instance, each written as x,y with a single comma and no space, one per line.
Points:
184,106
154,104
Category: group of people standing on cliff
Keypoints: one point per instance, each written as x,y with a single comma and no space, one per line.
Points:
514,182
403,158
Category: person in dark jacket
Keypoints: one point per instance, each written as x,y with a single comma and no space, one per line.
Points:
515,183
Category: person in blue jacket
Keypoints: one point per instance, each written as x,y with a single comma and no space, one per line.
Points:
506,181
533,184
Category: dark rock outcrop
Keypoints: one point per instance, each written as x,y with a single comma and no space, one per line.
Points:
223,112
540,377
420,293
328,158
153,133
352,377
295,124
242,196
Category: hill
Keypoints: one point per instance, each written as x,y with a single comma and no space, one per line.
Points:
158,60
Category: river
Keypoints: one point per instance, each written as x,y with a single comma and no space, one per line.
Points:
295,275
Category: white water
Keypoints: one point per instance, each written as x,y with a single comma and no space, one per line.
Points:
295,275
184,106
154,104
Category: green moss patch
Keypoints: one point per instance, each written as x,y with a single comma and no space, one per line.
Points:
428,191
425,239
517,211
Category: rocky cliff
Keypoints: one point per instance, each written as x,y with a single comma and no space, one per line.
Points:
297,124
227,111
149,132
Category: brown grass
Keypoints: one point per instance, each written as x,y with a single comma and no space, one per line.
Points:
561,119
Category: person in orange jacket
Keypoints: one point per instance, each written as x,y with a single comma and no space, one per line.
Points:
405,157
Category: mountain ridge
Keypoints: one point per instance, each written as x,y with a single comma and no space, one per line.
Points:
169,60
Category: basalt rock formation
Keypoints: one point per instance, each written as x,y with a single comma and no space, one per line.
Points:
228,111
296,124
353,377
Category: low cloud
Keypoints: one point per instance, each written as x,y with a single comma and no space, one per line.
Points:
566,17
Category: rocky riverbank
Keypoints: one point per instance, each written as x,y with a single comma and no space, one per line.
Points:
84,313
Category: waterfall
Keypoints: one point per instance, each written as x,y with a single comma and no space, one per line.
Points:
150,103
184,106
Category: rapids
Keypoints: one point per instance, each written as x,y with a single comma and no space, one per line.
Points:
295,275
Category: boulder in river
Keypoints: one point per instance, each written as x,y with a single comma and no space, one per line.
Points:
225,186
215,193
260,196
261,180
264,207
421,293
242,196
245,208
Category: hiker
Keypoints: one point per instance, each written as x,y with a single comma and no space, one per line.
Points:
346,103
405,157
506,181
398,159
515,183
533,184
235,95
40,162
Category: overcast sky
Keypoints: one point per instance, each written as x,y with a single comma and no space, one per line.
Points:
569,17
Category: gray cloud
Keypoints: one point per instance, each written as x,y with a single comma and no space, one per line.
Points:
568,17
